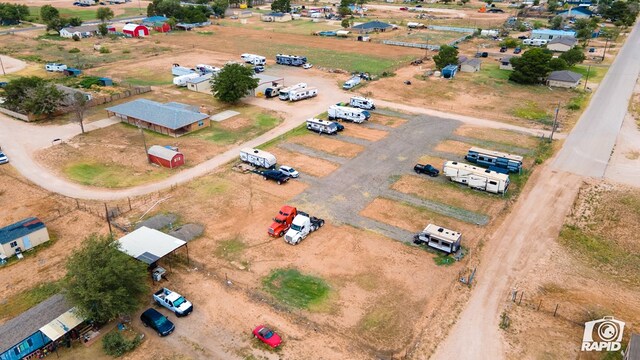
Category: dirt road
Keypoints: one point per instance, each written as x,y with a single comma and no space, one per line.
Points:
11,65
510,253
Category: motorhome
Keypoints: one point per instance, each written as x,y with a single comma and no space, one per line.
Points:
254,59
284,93
292,60
495,160
476,178
322,126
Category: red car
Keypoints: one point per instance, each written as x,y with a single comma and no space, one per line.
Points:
267,336
404,8
282,221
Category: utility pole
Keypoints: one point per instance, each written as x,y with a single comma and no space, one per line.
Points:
605,48
587,79
2,65
555,122
144,142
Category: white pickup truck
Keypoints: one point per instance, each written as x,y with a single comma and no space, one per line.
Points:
301,226
173,301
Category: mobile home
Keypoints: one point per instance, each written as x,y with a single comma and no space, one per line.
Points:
476,178
322,126
348,113
439,238
258,157
495,160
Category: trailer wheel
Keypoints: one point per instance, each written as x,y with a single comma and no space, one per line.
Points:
265,177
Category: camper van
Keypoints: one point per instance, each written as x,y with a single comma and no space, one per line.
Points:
495,160
258,158
439,238
351,82
301,94
204,68
362,103
182,80
348,113
284,93
55,67
254,59
476,178
322,126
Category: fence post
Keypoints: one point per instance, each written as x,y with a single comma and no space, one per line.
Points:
521,295
556,310
77,204
539,304
128,198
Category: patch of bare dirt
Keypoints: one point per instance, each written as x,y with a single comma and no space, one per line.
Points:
329,145
361,132
454,147
389,121
507,137
309,165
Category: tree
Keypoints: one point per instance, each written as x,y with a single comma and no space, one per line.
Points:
103,282
74,21
11,14
552,5
219,7
32,95
616,11
48,13
344,11
510,42
104,14
345,23
532,67
556,23
103,29
281,6
78,107
233,83
573,56
556,64
445,56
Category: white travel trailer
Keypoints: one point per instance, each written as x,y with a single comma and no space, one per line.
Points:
362,103
55,67
322,126
348,113
182,80
254,59
415,25
439,238
284,93
534,42
476,178
207,68
258,157
301,94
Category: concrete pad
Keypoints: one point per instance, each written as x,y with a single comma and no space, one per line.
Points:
224,115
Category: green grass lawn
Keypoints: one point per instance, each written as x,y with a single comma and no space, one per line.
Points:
111,175
293,288
21,302
220,135
84,13
596,74
531,111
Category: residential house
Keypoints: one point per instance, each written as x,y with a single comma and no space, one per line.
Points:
276,17
81,31
172,118
471,65
23,235
562,44
505,62
377,26
564,79
546,34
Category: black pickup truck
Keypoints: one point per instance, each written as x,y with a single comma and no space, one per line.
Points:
274,175
426,169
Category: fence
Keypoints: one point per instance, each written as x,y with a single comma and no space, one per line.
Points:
123,95
414,45
451,28
571,312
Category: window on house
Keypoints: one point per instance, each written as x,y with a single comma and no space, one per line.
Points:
13,244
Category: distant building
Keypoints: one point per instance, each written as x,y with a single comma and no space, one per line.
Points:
276,17
173,119
165,157
23,235
372,26
80,31
546,34
200,84
562,44
135,30
564,79
505,62
471,65
576,13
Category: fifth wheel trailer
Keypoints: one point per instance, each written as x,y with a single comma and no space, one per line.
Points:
258,157
284,93
348,113
476,178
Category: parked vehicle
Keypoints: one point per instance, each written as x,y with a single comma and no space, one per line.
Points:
349,84
503,49
254,59
339,127
348,113
404,8
274,175
495,160
273,90
415,25
173,301
301,226
288,170
301,94
426,169
257,157
267,336
284,93
205,69
322,126
439,238
182,80
282,221
258,69
292,60
3,158
476,178
517,50
592,50
307,66
158,322
362,103
535,42
55,67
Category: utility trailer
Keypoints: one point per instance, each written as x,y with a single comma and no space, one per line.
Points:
476,178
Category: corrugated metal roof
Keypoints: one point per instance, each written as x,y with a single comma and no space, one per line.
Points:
148,245
162,152
20,229
553,32
30,321
167,115
569,41
81,29
372,25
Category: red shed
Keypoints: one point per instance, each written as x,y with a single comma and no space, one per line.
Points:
135,30
162,27
165,157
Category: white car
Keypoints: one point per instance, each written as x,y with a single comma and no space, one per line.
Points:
288,170
4,159
307,66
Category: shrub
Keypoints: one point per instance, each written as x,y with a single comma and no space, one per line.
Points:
114,344
74,51
126,51
104,50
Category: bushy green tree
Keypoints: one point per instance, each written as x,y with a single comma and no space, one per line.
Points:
12,13
510,42
219,7
48,13
552,5
102,281
345,23
32,95
233,82
72,21
445,56
532,67
281,6
573,56
556,64
103,29
556,23
114,344
104,14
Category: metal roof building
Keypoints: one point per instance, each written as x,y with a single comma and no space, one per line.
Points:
564,78
149,245
172,118
23,235
546,34
372,26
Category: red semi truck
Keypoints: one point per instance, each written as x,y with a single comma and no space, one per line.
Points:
282,221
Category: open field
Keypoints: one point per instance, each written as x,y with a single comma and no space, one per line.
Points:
84,13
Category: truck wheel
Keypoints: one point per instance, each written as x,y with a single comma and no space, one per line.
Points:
313,228
265,177
321,223
279,182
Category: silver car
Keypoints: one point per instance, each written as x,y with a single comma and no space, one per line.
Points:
3,158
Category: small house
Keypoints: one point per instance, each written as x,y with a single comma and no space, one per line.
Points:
73,72
471,65
562,44
546,34
165,157
80,31
372,26
200,84
579,12
449,71
276,17
505,62
172,118
564,78
23,235
135,30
